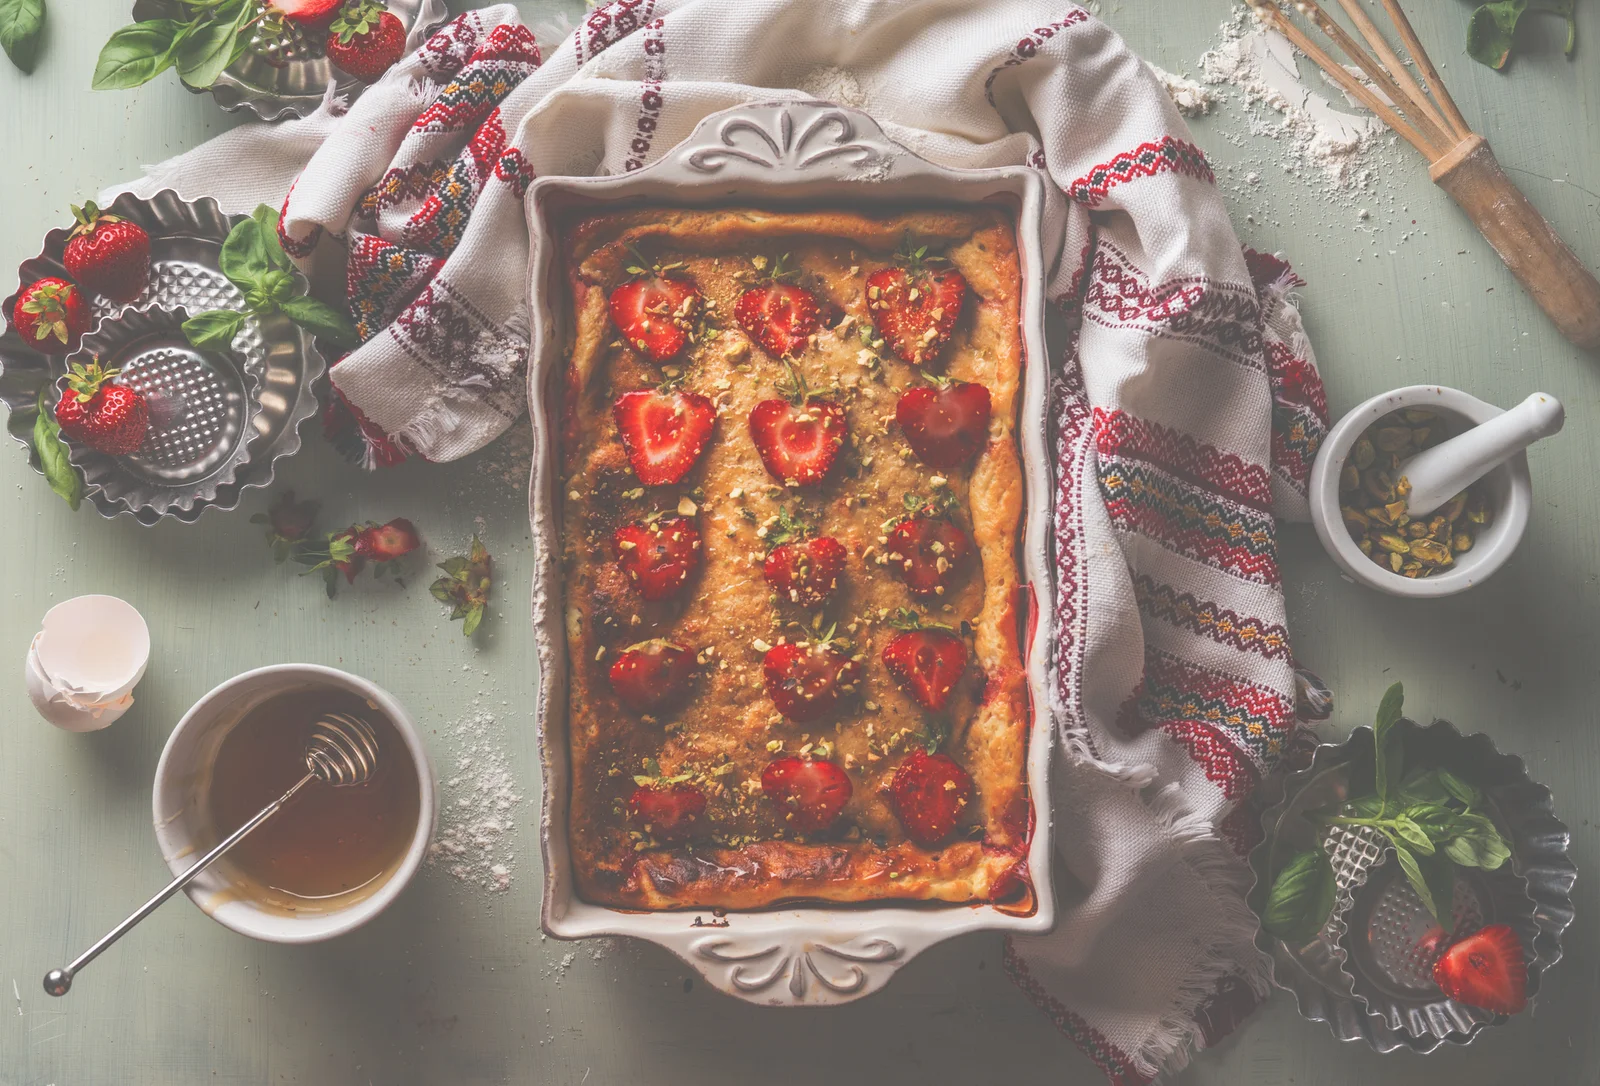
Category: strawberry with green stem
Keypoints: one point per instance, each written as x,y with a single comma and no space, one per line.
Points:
349,551
776,312
806,680
107,254
366,39
288,522
107,417
801,570
800,435
465,586
926,548
926,658
51,315
666,807
656,310
915,301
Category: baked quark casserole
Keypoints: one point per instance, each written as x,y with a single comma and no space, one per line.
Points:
791,499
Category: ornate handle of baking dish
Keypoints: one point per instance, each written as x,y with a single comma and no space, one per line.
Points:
777,139
775,970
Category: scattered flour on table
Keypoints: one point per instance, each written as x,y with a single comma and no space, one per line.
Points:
476,821
1337,152
1190,96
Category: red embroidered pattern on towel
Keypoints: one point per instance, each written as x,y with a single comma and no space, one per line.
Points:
1165,155
507,57
1209,619
1108,1057
381,278
1118,433
1223,318
1189,520
608,24
1299,414
1028,48
1253,719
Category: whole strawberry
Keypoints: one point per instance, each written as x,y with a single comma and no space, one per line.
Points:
107,417
51,316
107,254
366,39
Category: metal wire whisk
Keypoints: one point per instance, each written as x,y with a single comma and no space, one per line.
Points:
342,750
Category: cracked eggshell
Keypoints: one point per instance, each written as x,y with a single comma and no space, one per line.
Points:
85,661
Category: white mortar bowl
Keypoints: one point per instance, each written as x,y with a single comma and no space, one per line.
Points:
183,775
1510,494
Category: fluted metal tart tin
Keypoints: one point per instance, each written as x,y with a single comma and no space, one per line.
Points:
1368,974
249,404
289,77
785,154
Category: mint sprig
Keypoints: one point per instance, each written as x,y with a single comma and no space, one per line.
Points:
254,261
1434,820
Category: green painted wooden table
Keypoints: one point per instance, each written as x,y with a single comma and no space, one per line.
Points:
456,987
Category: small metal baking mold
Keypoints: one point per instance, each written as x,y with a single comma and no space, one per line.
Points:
287,75
219,421
1369,972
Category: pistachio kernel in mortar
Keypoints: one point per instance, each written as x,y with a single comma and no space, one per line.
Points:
1373,493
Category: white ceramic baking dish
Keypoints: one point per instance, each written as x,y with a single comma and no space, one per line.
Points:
784,154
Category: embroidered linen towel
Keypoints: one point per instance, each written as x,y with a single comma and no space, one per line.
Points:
1187,403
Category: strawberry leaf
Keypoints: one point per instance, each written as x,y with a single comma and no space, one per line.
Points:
469,625
21,29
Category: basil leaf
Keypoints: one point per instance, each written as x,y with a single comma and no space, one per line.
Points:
1413,873
1422,786
1413,835
136,54
321,320
205,53
1301,898
1477,843
1492,30
1458,788
267,219
244,258
214,330
58,471
1364,807
1439,873
21,29
1434,819
1383,769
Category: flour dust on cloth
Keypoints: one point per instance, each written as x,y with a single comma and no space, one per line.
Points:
1187,406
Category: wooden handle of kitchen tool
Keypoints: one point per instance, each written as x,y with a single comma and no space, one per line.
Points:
1566,290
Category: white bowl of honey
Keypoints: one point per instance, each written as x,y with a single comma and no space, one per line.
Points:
333,857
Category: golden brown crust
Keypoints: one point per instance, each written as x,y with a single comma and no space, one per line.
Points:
728,730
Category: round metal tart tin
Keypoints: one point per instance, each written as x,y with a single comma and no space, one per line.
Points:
1368,974
250,403
288,75
201,405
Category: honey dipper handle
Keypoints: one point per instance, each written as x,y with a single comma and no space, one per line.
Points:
1566,290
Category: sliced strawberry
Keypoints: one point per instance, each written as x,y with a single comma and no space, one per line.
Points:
930,792
652,675
798,444
306,11
658,556
914,304
806,573
670,812
809,793
1486,969
664,432
946,424
779,316
927,662
806,680
656,313
928,553
387,542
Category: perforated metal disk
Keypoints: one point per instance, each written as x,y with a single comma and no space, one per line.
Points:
1404,939
197,408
